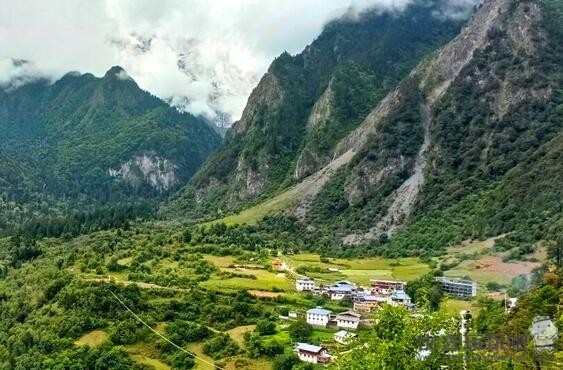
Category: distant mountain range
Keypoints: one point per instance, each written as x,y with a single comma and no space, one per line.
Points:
83,142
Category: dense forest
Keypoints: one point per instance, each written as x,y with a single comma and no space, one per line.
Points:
91,151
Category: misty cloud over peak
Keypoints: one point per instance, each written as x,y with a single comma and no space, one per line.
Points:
203,57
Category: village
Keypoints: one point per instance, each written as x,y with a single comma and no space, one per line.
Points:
364,300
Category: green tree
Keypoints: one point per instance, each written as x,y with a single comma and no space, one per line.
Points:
300,331
286,361
265,327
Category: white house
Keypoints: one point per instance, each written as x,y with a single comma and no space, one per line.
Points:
292,314
304,285
344,337
399,298
313,354
318,316
349,320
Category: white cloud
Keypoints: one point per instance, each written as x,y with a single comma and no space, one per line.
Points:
203,56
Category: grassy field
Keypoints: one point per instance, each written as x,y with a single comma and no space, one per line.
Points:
258,280
197,349
92,339
454,306
220,261
266,281
361,270
254,214
237,334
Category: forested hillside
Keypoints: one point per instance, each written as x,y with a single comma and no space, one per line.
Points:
454,151
91,152
305,104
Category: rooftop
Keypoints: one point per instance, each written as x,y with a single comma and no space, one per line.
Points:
341,288
308,347
400,294
344,333
374,281
349,313
319,311
454,280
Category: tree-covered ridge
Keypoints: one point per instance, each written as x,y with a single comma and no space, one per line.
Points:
497,126
61,141
344,73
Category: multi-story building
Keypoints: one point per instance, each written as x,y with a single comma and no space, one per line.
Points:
348,320
458,287
344,337
340,289
318,316
399,298
304,285
386,287
367,303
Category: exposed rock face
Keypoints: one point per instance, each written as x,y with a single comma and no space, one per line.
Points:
435,77
311,159
438,74
306,103
267,95
155,171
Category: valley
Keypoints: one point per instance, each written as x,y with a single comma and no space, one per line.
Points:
396,183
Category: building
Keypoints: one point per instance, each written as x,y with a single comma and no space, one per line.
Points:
313,354
386,287
399,298
344,337
367,303
304,285
340,289
318,316
348,320
278,265
458,287
292,314
339,293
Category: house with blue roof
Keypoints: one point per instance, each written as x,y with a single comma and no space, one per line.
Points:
318,316
313,354
399,298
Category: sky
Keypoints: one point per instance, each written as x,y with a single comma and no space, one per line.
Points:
203,56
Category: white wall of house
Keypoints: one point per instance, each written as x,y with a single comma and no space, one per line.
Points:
316,319
348,324
301,285
307,357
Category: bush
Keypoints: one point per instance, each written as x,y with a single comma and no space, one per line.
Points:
300,331
220,346
265,327
183,332
286,361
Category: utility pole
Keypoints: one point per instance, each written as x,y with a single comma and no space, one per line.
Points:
463,330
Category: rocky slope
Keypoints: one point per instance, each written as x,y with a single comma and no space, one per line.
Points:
306,104
476,112
440,157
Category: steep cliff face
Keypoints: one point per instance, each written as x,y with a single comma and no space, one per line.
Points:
478,109
307,103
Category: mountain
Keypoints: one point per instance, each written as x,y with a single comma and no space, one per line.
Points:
466,143
83,142
305,104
